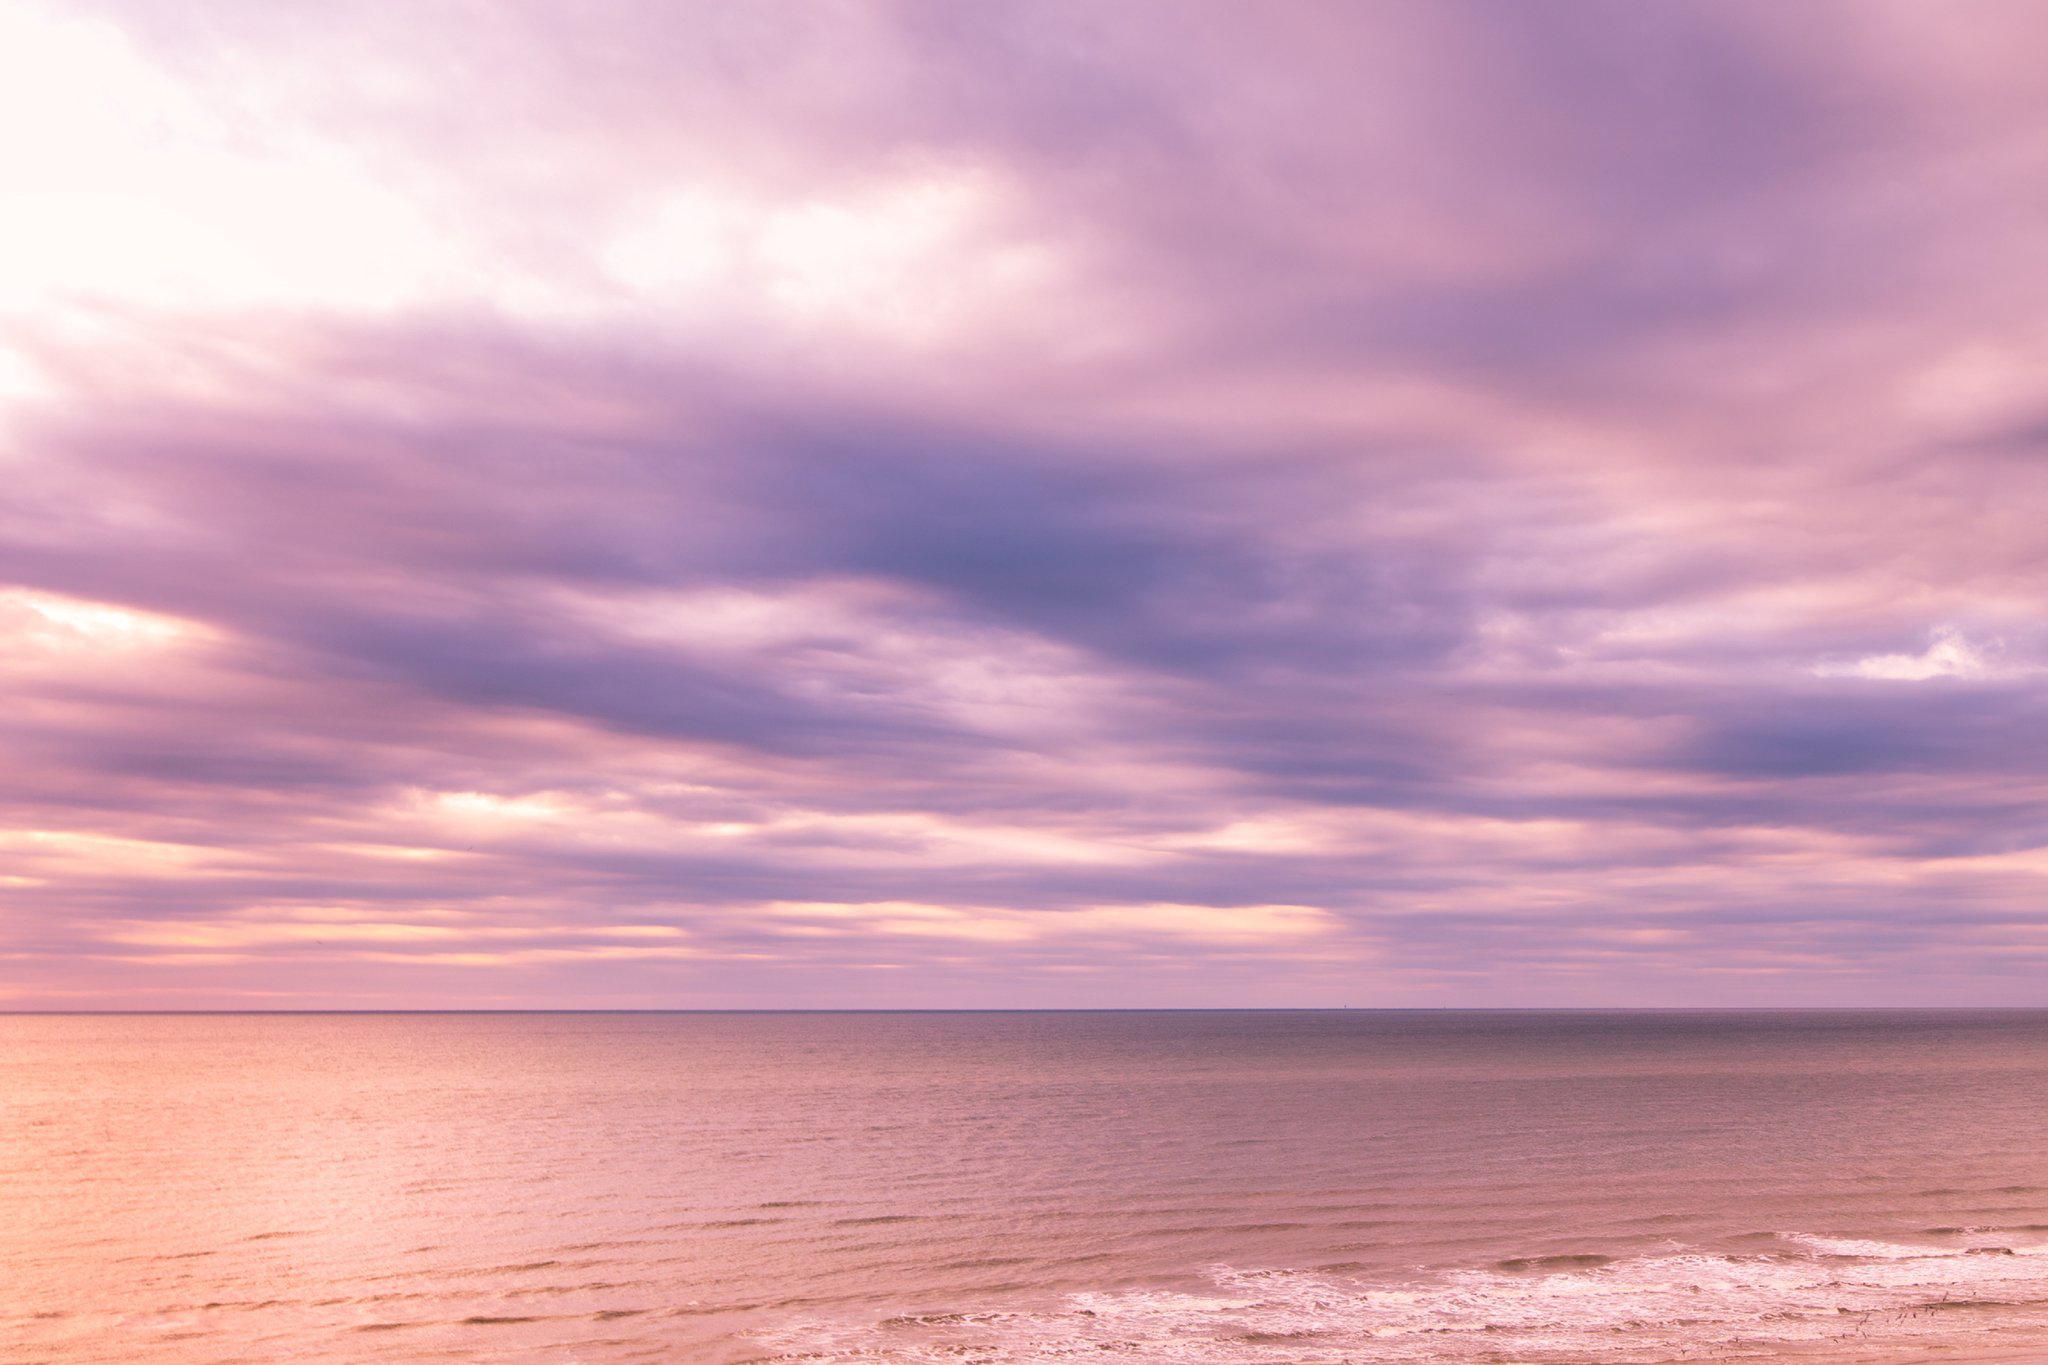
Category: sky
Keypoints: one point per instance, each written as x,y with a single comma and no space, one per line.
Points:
632,504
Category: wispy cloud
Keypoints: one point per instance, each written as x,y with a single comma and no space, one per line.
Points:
892,503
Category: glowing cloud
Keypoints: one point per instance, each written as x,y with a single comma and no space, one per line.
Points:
1068,504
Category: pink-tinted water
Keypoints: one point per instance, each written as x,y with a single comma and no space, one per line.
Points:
1316,1186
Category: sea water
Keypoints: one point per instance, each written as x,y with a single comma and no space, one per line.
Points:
1171,1186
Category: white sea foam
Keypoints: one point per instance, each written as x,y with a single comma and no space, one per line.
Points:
1798,1292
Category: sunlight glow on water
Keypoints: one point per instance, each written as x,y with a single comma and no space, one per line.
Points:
1174,1186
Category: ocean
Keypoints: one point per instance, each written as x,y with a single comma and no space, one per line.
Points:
1257,1186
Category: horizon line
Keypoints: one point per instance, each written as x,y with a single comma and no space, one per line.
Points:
1063,1009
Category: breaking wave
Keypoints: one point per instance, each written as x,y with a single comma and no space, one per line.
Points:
1796,1292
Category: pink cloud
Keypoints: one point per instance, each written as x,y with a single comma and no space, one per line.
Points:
1391,504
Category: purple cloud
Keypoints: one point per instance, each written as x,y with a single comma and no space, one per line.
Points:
1386,504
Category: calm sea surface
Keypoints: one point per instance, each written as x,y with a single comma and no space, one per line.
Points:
1314,1186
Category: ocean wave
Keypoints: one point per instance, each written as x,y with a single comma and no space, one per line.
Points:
1805,1291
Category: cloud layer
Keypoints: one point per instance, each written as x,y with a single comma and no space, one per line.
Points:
870,504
